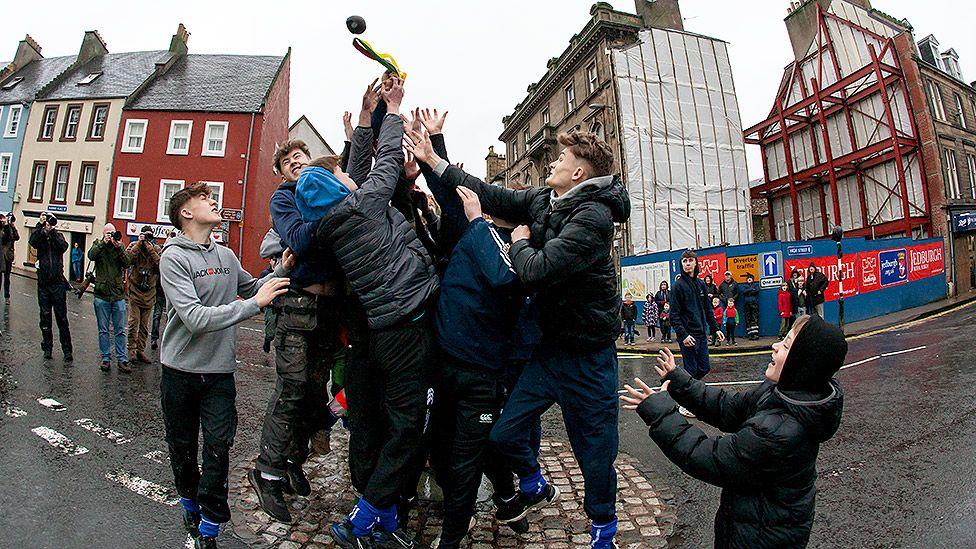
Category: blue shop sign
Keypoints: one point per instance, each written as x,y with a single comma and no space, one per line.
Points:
964,222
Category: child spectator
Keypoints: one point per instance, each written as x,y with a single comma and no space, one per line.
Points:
650,317
731,319
666,323
718,312
785,303
628,312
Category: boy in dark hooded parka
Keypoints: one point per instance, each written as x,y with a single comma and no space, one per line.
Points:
766,465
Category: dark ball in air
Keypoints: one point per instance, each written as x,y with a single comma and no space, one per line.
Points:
356,24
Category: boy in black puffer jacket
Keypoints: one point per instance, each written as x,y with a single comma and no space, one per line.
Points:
767,465
562,249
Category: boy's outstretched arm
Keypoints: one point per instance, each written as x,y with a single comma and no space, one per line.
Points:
378,188
575,249
361,148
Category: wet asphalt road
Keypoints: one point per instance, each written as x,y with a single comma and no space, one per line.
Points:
899,473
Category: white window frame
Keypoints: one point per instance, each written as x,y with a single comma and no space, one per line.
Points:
118,197
34,194
971,162
95,122
162,207
67,121
5,180
128,134
962,113
94,183
7,130
189,133
204,150
936,94
592,77
526,137
570,92
219,187
54,183
89,78
952,173
545,115
44,124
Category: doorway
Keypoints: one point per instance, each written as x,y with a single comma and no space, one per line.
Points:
76,260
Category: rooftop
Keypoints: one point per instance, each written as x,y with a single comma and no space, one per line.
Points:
36,75
121,74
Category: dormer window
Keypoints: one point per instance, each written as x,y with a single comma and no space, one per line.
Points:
89,79
13,82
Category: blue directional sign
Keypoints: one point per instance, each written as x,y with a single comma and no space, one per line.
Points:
770,263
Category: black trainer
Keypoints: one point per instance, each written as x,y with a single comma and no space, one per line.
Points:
341,532
401,538
270,496
191,523
205,543
297,480
516,509
518,526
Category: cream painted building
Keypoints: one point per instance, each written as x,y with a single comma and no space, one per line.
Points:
71,135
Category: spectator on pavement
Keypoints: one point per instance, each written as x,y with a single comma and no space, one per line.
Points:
52,288
750,304
666,323
110,262
798,294
711,290
816,287
728,289
160,308
77,259
8,235
784,302
731,321
719,314
143,256
628,313
663,295
767,463
650,317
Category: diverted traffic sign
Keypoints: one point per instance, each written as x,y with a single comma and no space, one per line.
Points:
743,265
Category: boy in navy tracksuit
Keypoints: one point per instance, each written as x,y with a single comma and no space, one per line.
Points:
692,318
477,323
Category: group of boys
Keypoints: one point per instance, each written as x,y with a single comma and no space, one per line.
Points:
448,337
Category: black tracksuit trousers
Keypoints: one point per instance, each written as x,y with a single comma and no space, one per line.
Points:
389,394
191,402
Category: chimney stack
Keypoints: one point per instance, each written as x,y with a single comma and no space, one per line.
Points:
92,46
27,50
178,44
660,14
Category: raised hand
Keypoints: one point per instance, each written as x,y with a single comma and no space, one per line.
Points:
433,122
633,396
665,362
414,123
347,124
419,145
270,290
410,167
393,95
472,204
371,98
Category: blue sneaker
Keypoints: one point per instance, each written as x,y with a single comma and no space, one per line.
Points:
341,532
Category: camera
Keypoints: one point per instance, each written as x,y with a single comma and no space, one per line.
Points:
117,235
48,218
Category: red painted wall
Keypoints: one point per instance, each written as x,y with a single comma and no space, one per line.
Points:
153,164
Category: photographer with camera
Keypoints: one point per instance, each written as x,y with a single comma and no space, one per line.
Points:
143,255
160,308
52,287
110,262
8,235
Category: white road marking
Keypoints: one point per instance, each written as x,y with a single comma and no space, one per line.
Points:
25,295
59,441
13,411
919,348
158,456
252,329
52,404
104,432
859,362
143,487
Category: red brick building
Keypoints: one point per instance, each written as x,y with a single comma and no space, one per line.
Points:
211,118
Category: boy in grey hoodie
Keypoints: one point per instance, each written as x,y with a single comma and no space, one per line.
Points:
202,282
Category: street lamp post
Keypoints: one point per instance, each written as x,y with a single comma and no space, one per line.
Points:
836,235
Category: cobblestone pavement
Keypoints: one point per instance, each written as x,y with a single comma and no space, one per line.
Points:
645,519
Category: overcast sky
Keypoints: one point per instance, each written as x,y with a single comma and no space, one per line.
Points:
472,58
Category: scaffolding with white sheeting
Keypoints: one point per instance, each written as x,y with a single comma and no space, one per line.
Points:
683,148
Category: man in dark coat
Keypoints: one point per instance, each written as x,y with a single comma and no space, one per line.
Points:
692,318
750,304
766,465
8,236
728,289
816,287
52,286
563,250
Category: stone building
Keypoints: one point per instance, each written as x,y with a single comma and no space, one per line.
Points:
495,166
663,99
304,130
